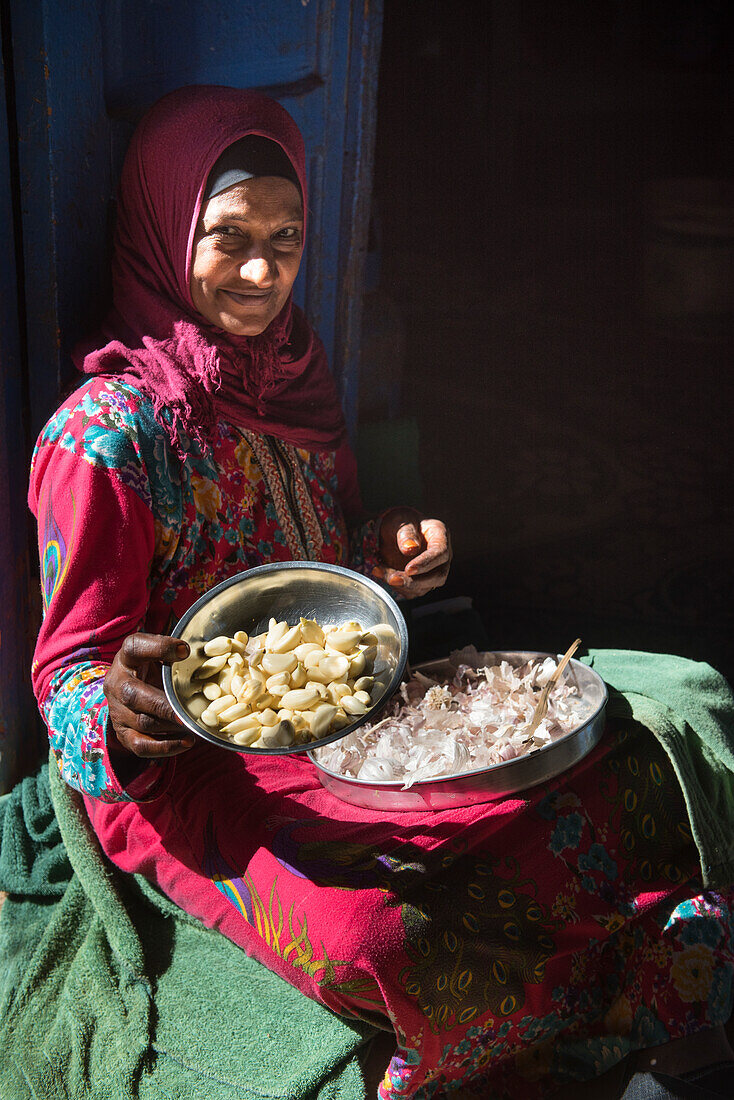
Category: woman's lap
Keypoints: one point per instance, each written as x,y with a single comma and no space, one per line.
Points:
551,934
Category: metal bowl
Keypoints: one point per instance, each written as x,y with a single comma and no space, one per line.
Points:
487,784
289,590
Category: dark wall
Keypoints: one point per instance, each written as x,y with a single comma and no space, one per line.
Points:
556,231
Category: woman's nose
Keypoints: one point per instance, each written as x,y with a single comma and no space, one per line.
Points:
256,270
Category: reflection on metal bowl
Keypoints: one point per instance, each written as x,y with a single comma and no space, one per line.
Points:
487,784
289,590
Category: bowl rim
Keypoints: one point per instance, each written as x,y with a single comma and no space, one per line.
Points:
495,769
276,567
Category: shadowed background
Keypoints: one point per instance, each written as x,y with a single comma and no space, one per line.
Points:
549,325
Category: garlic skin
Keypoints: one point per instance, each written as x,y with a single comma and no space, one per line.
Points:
472,718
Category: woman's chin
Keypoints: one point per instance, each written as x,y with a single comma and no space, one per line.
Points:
237,326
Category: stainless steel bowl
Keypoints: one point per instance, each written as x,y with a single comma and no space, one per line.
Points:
289,590
486,784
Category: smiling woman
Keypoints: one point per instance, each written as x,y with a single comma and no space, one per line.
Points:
247,251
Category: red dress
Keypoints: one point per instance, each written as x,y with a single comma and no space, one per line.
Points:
520,944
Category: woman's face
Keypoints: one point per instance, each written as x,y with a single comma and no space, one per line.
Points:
247,250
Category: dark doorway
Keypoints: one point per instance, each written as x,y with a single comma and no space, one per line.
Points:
554,223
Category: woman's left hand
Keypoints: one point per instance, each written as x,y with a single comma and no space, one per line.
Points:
415,552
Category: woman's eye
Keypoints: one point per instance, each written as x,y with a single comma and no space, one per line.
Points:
290,235
224,231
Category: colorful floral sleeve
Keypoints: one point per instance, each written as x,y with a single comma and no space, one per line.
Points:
89,491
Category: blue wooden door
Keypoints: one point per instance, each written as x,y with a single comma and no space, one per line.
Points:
83,73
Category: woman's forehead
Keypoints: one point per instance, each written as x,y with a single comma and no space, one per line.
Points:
262,197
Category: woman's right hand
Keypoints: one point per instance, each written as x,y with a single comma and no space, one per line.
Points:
141,718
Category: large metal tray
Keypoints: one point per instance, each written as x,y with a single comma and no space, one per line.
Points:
487,784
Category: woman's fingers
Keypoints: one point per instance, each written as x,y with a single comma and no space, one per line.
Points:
139,649
418,585
437,548
409,539
142,719
421,556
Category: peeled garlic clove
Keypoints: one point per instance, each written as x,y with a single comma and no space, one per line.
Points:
322,718
298,676
281,734
236,661
334,692
277,678
237,684
246,724
212,690
218,647
267,717
289,641
311,631
256,658
247,736
210,667
357,664
300,698
225,681
286,715
315,685
220,704
311,660
351,705
334,668
301,651
363,696
268,701
276,630
279,662
239,643
231,714
364,683
252,691
344,640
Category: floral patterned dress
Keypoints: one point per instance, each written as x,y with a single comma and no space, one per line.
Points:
512,947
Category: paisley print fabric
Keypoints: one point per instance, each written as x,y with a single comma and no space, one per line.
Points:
514,948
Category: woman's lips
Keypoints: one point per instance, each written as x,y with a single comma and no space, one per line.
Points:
248,297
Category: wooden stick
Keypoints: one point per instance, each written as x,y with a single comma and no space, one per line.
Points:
542,707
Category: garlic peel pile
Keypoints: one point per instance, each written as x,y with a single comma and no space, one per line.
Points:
471,718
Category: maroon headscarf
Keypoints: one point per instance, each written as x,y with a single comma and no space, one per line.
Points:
278,382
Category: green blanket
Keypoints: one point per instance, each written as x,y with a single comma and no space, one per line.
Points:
690,709
108,990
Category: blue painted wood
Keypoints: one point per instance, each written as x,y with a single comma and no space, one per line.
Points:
86,71
18,715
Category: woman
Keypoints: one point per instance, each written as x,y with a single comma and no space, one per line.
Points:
208,439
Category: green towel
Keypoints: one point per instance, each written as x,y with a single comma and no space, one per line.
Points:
108,990
690,709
